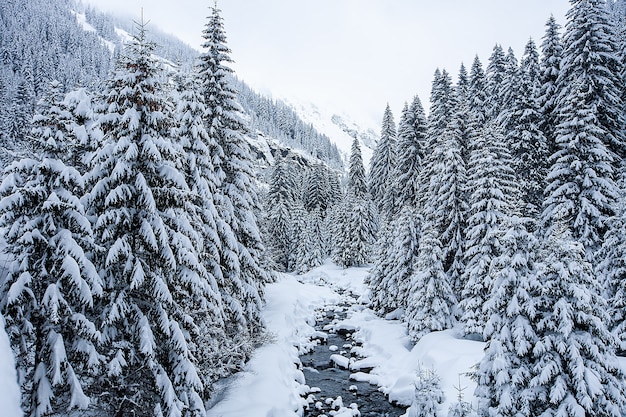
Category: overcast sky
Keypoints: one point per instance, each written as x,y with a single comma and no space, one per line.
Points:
353,55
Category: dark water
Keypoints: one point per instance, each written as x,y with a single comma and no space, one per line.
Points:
329,381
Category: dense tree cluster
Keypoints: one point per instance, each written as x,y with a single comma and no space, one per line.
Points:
516,228
137,275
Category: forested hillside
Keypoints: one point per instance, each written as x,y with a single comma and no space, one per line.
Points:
149,198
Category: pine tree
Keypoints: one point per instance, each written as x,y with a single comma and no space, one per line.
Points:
309,248
356,171
397,251
409,155
355,226
280,205
431,300
550,65
196,235
528,143
236,198
493,194
383,160
589,133
428,394
591,63
575,370
504,372
446,207
138,193
495,76
580,180
48,296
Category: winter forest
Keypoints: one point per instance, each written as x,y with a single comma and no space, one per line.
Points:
152,205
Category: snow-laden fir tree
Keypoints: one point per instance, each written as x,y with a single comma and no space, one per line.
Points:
574,367
380,179
477,97
589,137
612,272
442,107
550,64
495,75
236,199
310,252
509,91
138,193
526,140
47,298
428,394
355,226
430,297
279,215
492,198
446,205
591,62
196,241
396,255
409,155
580,189
357,183
504,372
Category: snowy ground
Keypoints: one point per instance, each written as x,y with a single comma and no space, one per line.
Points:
272,384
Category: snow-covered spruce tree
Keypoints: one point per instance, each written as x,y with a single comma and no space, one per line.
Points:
462,111
575,370
409,155
194,233
430,298
236,198
299,222
279,208
428,394
357,183
504,373
550,64
442,106
355,226
589,137
526,140
446,206
492,197
612,269
47,298
495,76
383,160
477,96
580,189
397,253
310,253
592,63
138,191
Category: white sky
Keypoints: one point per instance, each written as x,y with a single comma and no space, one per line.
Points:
353,55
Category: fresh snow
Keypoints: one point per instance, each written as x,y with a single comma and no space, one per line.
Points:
9,390
272,383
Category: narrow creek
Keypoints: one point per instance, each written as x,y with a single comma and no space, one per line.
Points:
326,371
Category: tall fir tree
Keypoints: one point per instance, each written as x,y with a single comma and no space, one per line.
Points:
383,160
236,198
575,370
504,372
137,189
48,296
492,198
591,62
526,139
431,299
550,67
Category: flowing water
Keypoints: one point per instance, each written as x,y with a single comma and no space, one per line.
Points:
331,384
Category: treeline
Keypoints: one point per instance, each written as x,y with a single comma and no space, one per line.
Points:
503,211
136,267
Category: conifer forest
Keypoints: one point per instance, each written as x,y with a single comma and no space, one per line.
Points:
154,207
